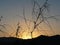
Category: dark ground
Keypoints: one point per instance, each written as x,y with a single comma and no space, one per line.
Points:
42,40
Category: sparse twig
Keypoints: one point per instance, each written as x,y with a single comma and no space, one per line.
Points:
17,30
25,18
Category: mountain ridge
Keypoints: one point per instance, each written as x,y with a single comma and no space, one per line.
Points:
41,40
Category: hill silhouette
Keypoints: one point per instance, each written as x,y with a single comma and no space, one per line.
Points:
41,40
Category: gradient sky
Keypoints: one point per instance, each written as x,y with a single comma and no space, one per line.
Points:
10,9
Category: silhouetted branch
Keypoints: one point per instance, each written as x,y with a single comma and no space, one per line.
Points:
17,30
25,18
49,25
5,29
11,28
51,17
1,18
39,15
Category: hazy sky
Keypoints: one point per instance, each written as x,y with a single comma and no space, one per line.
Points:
10,9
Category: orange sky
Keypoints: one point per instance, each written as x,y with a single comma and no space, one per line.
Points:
12,12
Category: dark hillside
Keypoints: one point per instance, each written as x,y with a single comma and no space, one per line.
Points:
42,40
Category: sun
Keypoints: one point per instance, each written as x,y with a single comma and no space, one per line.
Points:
27,35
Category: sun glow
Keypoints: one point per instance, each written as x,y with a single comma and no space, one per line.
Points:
25,32
27,35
